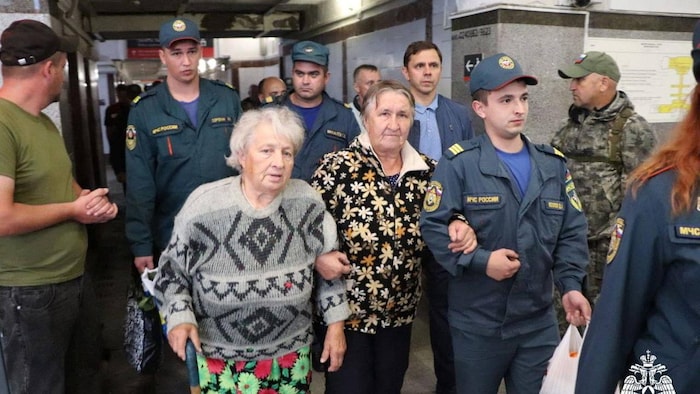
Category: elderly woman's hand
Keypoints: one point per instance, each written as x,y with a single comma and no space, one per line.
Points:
332,265
178,335
462,237
334,346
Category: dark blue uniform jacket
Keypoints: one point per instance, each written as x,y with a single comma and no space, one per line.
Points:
650,300
543,227
168,157
334,129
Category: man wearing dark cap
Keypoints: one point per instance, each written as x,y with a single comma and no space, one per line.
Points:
329,125
521,202
177,138
44,296
603,139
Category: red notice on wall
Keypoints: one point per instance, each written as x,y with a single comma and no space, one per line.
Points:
147,48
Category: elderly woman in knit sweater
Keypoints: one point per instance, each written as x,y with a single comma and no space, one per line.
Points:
237,275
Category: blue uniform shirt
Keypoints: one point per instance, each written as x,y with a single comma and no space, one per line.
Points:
167,157
650,299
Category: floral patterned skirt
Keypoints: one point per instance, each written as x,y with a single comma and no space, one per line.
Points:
288,374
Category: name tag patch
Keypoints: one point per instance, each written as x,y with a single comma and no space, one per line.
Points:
336,134
164,128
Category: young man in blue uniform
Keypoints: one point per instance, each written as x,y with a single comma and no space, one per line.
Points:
330,126
644,332
177,139
439,123
520,200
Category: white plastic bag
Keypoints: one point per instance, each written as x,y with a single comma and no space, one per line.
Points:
563,366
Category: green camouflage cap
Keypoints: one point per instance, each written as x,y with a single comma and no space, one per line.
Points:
592,62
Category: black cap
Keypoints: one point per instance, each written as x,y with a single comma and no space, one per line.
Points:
695,53
26,42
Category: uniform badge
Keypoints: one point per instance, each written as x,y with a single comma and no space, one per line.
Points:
506,63
615,239
571,192
179,25
432,197
130,137
648,377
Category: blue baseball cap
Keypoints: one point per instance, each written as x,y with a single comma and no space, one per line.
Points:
497,71
178,29
309,51
695,53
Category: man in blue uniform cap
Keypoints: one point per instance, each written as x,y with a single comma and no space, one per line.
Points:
177,139
329,125
521,202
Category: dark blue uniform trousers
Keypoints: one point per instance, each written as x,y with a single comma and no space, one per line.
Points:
481,362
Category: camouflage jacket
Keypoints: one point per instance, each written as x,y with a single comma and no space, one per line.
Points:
585,140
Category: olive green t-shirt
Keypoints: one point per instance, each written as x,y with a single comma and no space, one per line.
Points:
32,152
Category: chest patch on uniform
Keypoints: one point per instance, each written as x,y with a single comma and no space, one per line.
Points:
615,239
221,119
571,192
336,134
433,195
167,127
688,232
482,200
130,137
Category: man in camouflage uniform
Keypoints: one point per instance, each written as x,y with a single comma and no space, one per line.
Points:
603,140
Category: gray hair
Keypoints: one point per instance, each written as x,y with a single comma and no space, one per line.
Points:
284,122
381,87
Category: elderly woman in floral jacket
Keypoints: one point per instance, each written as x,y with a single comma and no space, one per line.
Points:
374,189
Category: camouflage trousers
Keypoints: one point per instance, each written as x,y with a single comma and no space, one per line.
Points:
598,250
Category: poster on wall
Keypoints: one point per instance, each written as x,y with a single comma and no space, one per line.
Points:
656,74
674,6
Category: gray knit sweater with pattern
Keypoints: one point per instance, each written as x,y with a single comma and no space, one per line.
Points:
245,276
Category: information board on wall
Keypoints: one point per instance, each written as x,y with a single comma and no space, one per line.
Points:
656,74
673,6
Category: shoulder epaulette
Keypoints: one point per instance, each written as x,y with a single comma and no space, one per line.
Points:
460,147
342,104
222,83
142,96
550,150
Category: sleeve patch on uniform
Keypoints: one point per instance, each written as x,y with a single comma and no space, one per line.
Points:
432,196
615,238
571,192
130,137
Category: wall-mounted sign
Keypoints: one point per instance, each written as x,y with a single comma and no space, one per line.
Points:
470,61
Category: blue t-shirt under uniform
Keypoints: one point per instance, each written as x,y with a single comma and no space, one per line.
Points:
191,110
309,115
519,166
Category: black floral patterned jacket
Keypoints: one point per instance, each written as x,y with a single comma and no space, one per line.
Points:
378,227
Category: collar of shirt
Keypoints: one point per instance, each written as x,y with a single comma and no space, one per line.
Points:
421,109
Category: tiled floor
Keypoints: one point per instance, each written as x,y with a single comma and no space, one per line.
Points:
110,261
